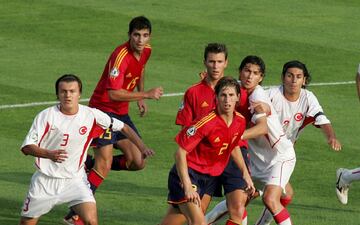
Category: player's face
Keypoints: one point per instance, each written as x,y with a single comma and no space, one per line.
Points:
138,39
69,95
227,99
250,76
215,64
293,80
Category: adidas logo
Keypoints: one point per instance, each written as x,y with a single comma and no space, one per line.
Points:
204,104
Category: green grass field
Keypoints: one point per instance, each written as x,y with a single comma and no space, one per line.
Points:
40,40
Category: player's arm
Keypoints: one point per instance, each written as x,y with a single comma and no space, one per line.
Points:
55,155
140,88
124,95
182,170
330,136
239,160
260,128
134,138
357,79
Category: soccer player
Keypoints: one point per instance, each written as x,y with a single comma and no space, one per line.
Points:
204,150
198,101
344,177
123,72
297,107
272,155
59,139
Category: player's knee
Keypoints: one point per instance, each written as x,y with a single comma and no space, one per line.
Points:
270,201
91,221
136,165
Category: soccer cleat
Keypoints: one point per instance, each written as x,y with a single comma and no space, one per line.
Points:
342,188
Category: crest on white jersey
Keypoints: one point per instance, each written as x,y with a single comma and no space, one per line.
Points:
191,131
114,72
83,130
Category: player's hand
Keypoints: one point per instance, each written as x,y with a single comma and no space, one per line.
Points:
57,156
142,107
261,107
191,195
147,152
250,188
155,93
334,144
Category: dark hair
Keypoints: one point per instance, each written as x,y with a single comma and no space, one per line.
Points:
253,59
139,23
67,78
227,82
299,65
215,48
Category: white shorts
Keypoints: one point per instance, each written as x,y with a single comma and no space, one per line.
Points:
46,192
278,174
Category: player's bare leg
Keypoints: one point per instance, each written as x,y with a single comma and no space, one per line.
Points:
133,156
193,213
266,216
175,217
87,212
103,159
28,221
271,199
236,201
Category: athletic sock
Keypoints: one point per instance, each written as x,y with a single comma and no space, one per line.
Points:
119,163
230,222
283,217
351,175
267,217
95,179
244,218
217,212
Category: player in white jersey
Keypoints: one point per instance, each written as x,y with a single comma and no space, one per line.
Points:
59,139
297,107
272,156
344,177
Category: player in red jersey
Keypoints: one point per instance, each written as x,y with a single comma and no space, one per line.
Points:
204,151
123,72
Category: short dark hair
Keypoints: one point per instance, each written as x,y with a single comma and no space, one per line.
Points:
215,48
139,23
68,78
299,65
227,81
253,59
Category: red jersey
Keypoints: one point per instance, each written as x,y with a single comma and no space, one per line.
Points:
209,142
122,71
198,101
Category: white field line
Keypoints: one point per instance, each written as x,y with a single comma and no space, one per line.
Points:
30,104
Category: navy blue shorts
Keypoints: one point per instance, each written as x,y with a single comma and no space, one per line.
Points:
231,179
203,183
111,137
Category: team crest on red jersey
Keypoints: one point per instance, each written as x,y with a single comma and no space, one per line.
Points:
114,72
83,130
191,131
298,116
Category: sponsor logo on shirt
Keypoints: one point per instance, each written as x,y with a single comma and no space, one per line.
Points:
83,130
128,75
191,131
204,104
217,140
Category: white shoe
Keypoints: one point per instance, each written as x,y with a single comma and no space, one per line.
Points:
342,188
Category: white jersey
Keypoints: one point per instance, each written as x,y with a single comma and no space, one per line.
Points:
273,147
53,130
294,116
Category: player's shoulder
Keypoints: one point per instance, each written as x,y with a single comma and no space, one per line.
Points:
239,115
205,120
274,90
199,86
